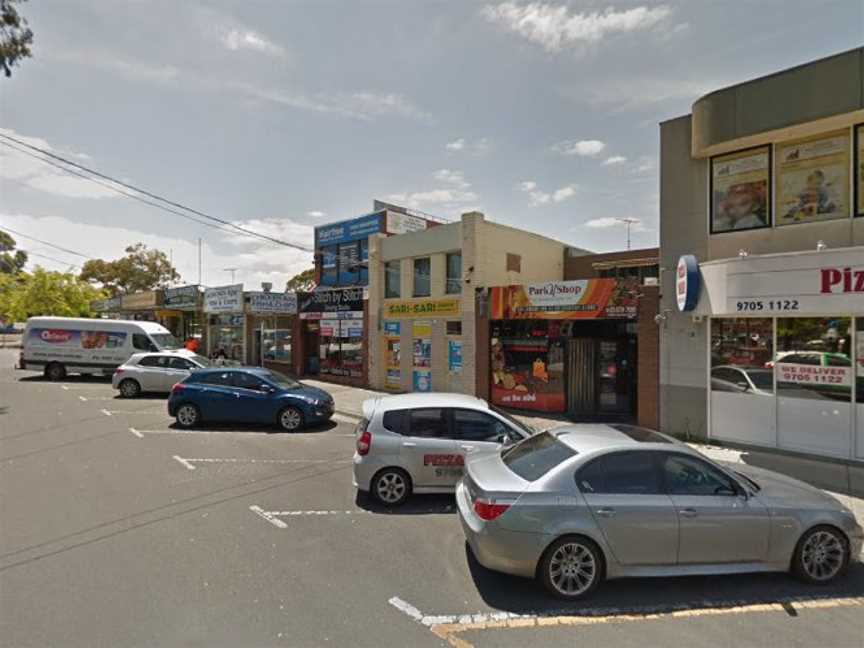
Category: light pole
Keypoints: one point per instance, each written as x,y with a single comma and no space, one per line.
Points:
629,222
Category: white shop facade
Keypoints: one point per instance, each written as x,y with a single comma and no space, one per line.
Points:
785,348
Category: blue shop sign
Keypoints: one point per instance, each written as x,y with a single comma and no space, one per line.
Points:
351,230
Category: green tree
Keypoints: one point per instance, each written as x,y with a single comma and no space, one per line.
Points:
45,293
140,269
15,36
302,282
12,261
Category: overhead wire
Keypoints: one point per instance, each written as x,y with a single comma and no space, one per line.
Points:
9,230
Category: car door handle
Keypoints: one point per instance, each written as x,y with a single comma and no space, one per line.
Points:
605,512
408,444
688,513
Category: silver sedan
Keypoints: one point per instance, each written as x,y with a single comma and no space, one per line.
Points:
155,372
578,504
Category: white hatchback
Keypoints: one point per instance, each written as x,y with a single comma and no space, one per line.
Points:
155,372
418,443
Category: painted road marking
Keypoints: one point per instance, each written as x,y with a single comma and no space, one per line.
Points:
136,433
257,510
345,418
64,387
218,460
183,462
82,398
105,412
447,627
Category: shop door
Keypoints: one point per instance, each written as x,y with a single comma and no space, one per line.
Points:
616,386
580,376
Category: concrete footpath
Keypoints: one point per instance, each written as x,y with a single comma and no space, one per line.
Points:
843,480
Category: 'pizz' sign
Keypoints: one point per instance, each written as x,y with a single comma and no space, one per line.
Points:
842,280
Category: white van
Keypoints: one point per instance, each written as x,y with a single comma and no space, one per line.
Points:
61,345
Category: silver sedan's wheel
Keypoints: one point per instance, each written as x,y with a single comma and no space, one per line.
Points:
187,415
571,567
129,388
391,487
290,419
822,555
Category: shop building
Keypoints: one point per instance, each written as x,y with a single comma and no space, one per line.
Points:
585,347
271,328
425,289
226,321
141,305
762,258
181,312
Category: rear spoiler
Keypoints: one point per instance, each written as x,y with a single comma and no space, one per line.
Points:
369,407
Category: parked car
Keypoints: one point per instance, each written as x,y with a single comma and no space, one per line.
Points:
752,380
154,372
583,503
247,395
61,345
418,443
815,358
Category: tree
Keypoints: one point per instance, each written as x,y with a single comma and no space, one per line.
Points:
303,282
11,261
140,269
45,293
15,36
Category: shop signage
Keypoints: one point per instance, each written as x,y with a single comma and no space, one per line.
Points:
421,308
579,299
140,300
345,231
817,282
687,283
271,302
339,300
224,299
181,298
398,223
110,305
804,374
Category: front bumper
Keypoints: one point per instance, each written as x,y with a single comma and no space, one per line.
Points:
496,548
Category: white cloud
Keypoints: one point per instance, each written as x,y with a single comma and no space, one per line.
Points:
554,27
133,70
615,159
527,185
609,221
246,39
584,148
316,214
456,145
455,178
476,147
434,197
645,165
564,193
643,93
26,170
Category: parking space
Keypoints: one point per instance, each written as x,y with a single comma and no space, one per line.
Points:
227,535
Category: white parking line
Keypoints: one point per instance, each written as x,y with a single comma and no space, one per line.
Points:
82,398
108,412
257,510
184,463
136,433
216,460
141,433
344,418
105,412
64,387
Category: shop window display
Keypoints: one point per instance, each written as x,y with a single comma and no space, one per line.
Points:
528,365
341,348
277,344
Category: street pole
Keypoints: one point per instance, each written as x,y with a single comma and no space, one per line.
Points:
199,262
628,222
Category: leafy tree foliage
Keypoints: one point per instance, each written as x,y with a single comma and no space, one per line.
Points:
45,293
12,261
303,282
15,36
141,269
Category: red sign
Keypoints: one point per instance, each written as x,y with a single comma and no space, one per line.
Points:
842,280
531,400
443,460
55,336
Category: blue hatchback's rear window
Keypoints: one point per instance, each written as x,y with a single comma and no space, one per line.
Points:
536,456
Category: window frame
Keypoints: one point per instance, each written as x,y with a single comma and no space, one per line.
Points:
448,279
414,262
769,199
447,431
737,488
204,379
494,421
158,362
388,294
652,453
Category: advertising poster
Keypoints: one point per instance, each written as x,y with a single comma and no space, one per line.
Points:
422,381
80,339
421,329
580,299
528,374
454,356
813,180
422,352
392,329
740,190
859,169
393,379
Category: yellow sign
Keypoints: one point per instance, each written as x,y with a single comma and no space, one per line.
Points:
421,308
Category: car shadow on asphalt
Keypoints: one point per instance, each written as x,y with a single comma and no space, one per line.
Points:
255,428
416,505
654,595
68,379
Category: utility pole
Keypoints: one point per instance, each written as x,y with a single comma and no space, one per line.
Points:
199,261
628,222
233,272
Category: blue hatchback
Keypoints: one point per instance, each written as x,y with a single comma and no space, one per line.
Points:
247,395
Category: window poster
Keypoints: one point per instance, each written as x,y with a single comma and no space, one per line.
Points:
859,170
454,355
422,351
813,180
740,190
422,381
393,379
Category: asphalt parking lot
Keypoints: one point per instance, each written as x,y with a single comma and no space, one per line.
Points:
116,529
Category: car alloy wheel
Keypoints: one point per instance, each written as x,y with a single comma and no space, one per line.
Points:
822,555
129,388
187,415
392,487
571,568
290,419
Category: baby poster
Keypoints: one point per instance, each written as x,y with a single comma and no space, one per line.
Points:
813,180
740,190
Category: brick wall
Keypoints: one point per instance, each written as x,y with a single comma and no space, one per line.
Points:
582,266
648,360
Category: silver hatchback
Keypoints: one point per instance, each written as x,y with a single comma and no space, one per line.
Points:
581,503
155,372
419,443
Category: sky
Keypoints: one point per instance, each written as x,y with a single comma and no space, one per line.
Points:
281,116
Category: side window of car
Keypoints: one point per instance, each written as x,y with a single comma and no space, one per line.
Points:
247,381
469,425
149,361
181,363
687,475
397,421
142,342
223,378
428,422
838,361
621,473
